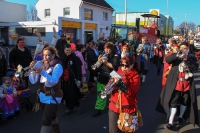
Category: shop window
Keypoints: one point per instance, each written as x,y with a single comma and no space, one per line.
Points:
66,11
88,14
105,16
30,31
47,13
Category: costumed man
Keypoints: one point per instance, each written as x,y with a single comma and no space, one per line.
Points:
166,66
143,53
159,54
103,74
179,93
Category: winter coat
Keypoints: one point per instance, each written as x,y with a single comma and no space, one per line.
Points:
103,72
91,57
18,57
191,113
71,91
146,53
129,99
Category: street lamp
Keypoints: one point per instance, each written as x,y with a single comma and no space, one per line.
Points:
125,12
185,24
167,16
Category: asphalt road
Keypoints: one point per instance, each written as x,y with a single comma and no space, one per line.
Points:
30,122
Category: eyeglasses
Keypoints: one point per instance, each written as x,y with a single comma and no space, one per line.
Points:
124,65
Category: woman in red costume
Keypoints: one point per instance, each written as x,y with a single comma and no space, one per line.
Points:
129,72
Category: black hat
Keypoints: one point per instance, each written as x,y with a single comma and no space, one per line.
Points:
63,35
184,43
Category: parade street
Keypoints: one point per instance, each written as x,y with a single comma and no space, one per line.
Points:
154,122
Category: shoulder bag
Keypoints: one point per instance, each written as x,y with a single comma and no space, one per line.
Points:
129,123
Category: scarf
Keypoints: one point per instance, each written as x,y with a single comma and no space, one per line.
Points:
52,63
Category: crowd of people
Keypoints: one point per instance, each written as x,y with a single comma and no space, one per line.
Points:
66,66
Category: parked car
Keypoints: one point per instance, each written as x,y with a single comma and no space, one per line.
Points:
2,41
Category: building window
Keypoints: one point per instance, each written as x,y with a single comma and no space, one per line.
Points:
66,11
105,16
88,14
47,13
30,31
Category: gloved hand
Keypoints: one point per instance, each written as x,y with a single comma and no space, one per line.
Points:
121,86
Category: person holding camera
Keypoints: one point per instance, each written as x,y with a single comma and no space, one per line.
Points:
179,94
159,54
103,74
143,53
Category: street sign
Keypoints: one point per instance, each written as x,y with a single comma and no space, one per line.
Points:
60,32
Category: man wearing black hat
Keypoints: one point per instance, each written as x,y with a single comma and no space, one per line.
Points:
179,94
60,45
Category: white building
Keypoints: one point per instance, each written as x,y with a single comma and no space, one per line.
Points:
78,19
10,12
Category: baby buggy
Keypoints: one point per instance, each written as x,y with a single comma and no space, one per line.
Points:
19,82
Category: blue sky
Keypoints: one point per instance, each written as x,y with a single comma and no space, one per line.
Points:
176,8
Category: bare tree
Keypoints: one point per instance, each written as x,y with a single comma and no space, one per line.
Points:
189,26
31,14
177,31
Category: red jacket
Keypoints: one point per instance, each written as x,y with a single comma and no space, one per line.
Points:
132,80
165,69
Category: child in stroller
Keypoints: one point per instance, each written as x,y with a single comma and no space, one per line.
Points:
8,99
18,82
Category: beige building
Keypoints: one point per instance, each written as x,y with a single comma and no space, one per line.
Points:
198,28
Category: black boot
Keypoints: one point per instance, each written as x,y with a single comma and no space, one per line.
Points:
169,126
180,121
56,128
97,113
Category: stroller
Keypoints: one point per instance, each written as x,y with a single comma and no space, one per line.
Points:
19,82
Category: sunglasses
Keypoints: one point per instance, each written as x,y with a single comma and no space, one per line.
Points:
123,65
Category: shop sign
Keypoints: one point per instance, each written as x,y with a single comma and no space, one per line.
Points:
13,36
71,24
90,26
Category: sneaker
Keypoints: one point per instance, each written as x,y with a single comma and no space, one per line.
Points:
169,126
67,112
